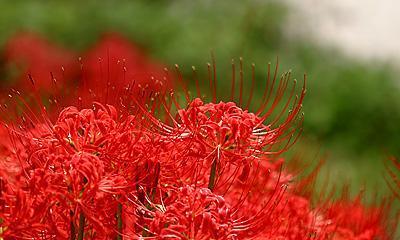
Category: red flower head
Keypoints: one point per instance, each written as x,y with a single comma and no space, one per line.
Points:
189,212
140,164
214,143
114,63
350,219
28,54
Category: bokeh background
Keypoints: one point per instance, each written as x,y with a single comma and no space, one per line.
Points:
351,110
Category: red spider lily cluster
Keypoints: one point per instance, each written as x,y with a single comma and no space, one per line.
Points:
125,157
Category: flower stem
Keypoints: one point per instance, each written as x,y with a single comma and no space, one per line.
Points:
72,226
119,221
81,229
211,182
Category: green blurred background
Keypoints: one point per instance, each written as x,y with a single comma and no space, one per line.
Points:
351,109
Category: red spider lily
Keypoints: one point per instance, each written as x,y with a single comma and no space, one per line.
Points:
350,219
148,166
29,54
188,212
115,63
111,66
83,165
226,136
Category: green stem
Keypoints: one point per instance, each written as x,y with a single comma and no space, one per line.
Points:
72,226
119,221
81,229
154,188
211,182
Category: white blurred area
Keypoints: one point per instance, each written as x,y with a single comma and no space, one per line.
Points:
366,28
